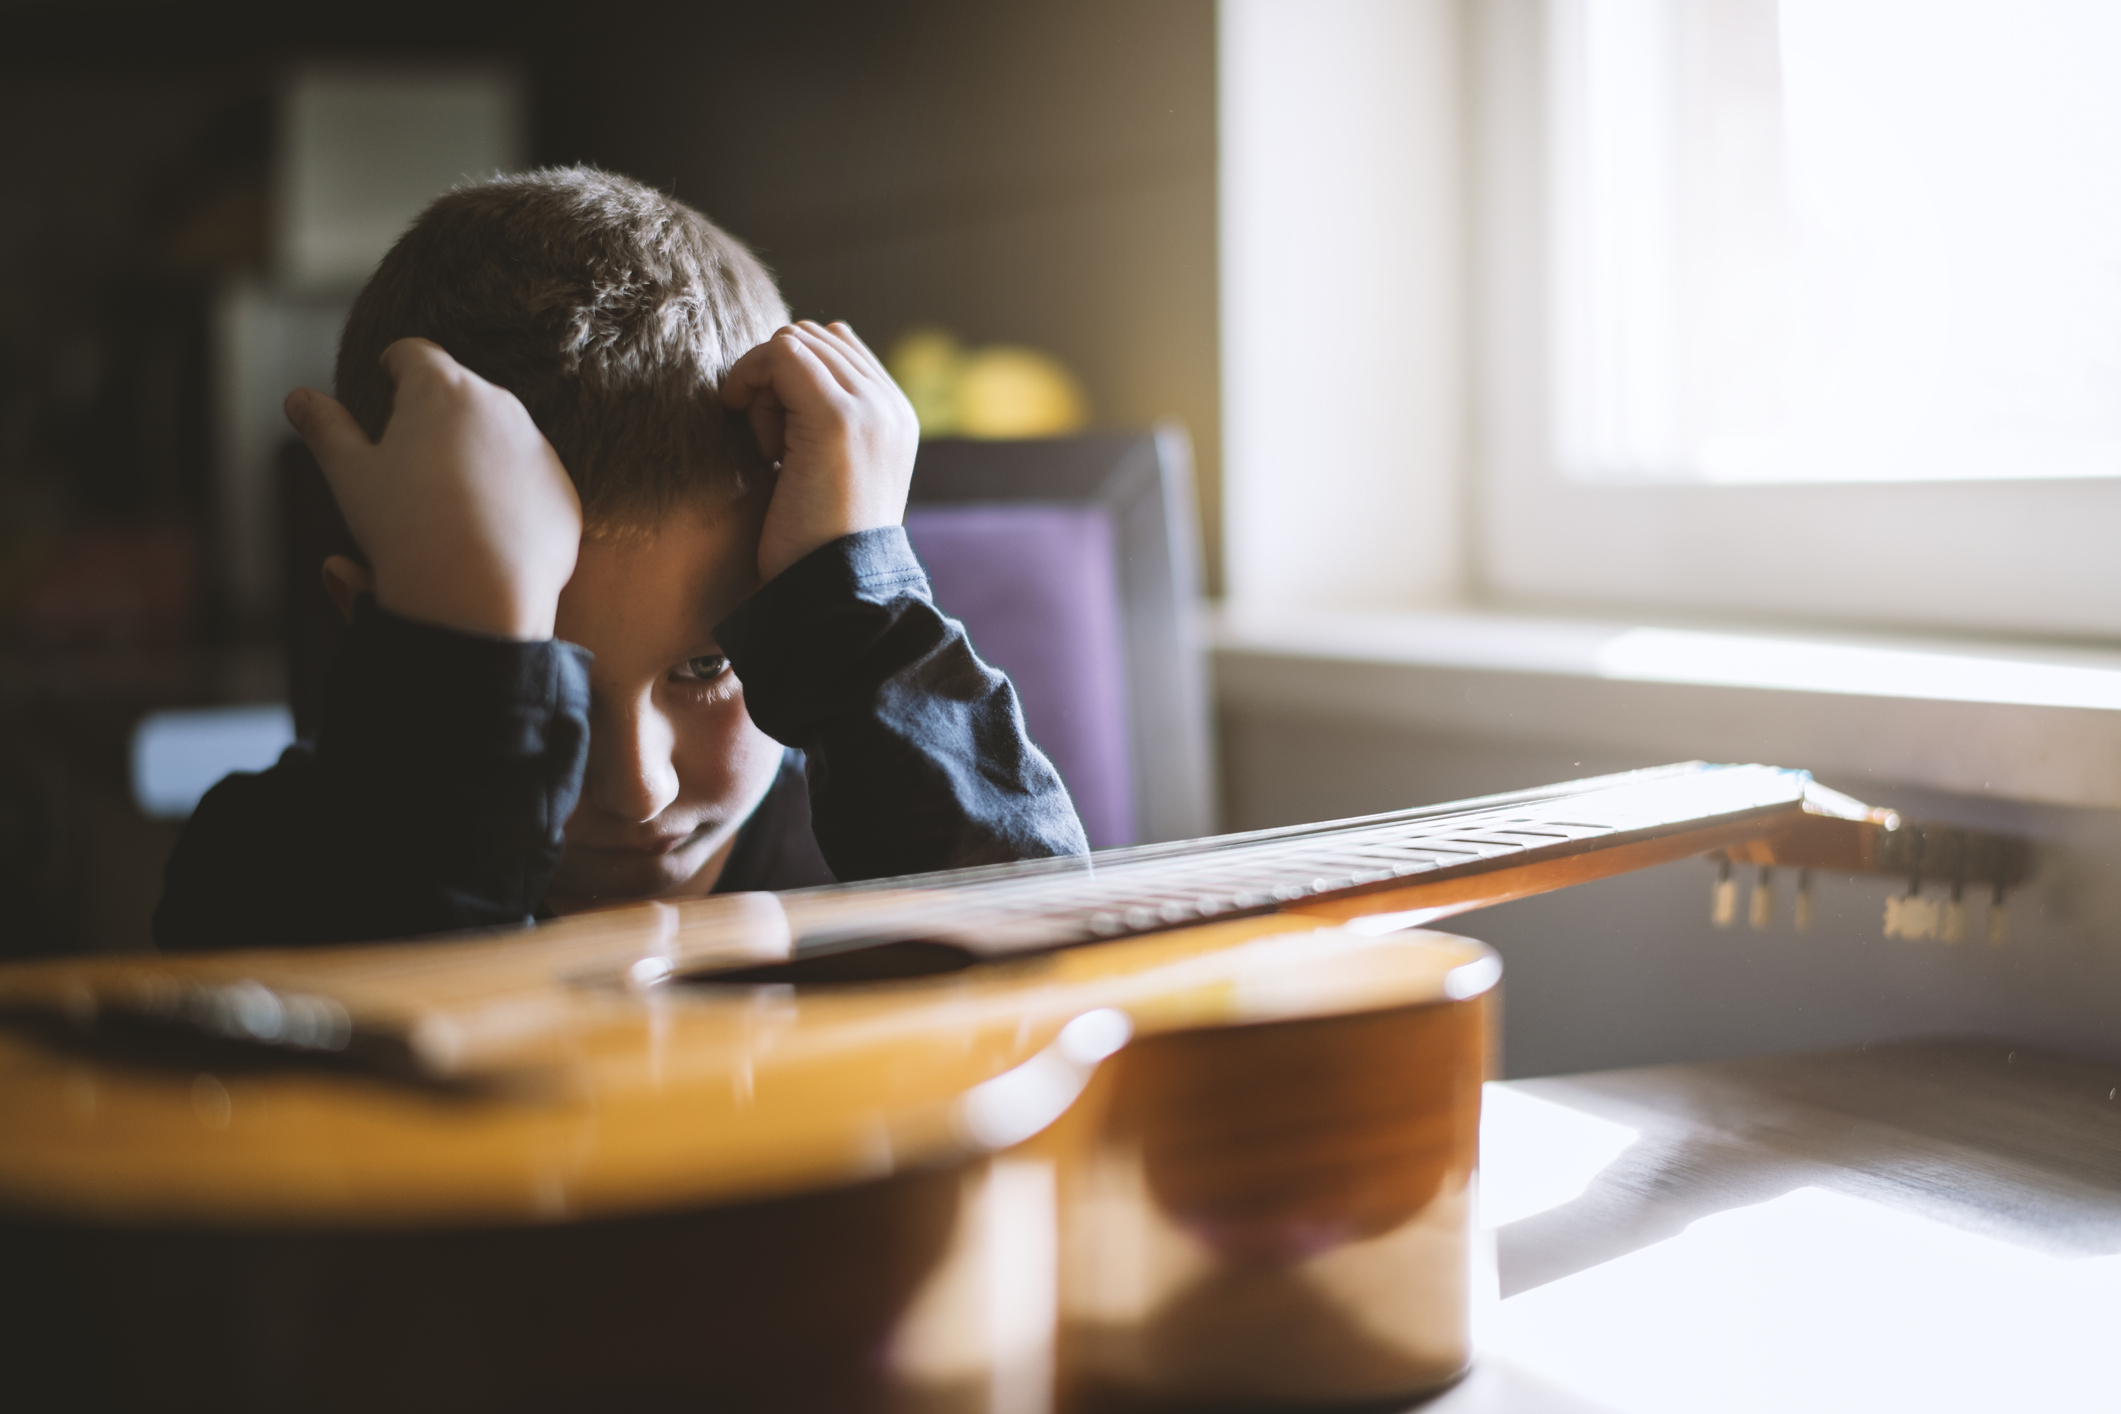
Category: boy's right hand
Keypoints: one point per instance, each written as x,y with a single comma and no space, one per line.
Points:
463,509
824,408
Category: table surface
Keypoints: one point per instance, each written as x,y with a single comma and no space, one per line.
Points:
1929,1225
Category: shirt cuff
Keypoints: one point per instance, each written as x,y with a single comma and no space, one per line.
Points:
869,567
397,675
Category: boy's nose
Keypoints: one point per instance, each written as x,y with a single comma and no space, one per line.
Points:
631,775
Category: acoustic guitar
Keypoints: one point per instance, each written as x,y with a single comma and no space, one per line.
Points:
1174,1127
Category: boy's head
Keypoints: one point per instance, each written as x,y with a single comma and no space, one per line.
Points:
609,309
613,312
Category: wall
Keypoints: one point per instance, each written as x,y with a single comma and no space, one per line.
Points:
1630,971
1343,327
1040,174
1037,173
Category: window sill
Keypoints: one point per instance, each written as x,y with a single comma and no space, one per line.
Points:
2013,723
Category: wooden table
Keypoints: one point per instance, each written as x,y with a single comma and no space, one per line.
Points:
1928,1225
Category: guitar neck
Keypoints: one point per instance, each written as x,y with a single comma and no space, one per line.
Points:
1380,863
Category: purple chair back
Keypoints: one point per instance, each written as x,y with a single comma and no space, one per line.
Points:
1071,563
1037,588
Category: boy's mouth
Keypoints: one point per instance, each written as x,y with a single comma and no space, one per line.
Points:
653,848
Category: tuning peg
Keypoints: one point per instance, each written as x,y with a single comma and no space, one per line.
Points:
1911,916
1921,918
1760,910
1801,915
1952,927
1723,902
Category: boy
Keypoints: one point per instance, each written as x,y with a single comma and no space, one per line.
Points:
602,647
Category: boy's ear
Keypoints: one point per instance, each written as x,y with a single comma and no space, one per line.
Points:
346,580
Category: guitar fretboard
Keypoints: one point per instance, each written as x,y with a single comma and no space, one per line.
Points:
1007,909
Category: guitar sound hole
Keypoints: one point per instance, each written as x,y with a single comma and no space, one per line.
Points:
887,962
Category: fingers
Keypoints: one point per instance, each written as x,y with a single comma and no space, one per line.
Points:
845,331
769,426
324,424
840,336
787,368
409,357
789,363
834,356
751,374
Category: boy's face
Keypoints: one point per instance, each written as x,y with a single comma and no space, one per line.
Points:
675,764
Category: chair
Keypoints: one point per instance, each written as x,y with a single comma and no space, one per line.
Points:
1072,564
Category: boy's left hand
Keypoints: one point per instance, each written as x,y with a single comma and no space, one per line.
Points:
822,405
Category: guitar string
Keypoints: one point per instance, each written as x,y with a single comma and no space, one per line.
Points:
1105,898
1001,898
1481,807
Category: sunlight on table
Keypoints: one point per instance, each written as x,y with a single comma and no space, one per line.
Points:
1536,1155
1814,1300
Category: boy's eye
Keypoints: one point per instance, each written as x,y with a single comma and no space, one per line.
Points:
705,669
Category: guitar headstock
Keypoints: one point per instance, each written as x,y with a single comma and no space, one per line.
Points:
1838,834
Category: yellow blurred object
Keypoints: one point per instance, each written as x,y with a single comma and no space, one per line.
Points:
1006,391
1000,391
926,364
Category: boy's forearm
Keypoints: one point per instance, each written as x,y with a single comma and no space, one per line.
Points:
918,755
433,800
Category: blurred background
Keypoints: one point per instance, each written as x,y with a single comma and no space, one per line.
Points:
1538,387
196,191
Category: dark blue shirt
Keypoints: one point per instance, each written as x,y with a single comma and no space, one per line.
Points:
446,764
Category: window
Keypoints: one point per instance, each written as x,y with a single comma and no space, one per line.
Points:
1803,309
1836,240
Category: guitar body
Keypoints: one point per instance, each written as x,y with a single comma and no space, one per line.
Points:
1001,1140
1276,1216
1252,1181
780,1304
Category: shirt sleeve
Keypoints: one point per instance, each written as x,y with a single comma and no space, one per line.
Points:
916,750
444,770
